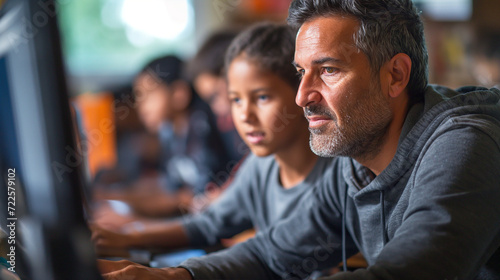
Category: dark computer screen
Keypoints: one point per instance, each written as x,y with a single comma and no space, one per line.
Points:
36,132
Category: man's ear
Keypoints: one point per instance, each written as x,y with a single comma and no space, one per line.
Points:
398,70
182,95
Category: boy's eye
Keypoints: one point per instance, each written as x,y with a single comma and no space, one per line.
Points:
235,100
263,97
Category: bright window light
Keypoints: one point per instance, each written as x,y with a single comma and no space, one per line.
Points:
160,19
447,10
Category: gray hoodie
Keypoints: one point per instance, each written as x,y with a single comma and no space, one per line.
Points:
433,213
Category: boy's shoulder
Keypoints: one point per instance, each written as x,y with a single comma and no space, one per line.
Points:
254,166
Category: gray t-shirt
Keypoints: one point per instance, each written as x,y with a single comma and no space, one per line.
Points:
255,199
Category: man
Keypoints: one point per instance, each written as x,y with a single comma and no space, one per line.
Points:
416,186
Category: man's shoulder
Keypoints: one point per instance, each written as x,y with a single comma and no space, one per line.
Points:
473,107
467,97
446,109
472,127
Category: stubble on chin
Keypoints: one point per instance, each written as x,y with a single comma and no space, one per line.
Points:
360,136
324,141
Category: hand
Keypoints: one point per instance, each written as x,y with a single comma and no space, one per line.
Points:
105,217
127,270
105,239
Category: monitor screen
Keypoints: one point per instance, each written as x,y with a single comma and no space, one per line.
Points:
38,175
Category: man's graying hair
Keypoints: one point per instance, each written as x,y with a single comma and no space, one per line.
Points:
387,27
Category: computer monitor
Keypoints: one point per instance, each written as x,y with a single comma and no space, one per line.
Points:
36,140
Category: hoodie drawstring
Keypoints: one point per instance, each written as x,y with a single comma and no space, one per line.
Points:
382,217
344,255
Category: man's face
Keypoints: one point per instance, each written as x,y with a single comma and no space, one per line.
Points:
347,111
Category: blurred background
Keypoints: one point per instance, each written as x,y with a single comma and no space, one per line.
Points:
106,43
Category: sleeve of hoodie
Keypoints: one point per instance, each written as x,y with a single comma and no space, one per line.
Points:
307,241
227,216
451,226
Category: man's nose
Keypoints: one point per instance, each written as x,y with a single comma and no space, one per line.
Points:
308,92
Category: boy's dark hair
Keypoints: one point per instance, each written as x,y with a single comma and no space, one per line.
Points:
210,57
387,27
271,46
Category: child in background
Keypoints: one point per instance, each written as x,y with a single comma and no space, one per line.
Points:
206,72
281,170
190,143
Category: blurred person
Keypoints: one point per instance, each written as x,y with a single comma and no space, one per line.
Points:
485,63
206,72
192,152
137,150
281,170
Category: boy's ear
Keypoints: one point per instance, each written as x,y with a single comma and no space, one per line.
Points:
181,95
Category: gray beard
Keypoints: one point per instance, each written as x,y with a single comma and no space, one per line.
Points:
337,144
361,135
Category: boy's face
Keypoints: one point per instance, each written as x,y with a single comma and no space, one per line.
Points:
153,100
263,108
347,110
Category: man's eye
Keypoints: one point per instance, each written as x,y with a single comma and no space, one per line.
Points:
300,72
329,70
